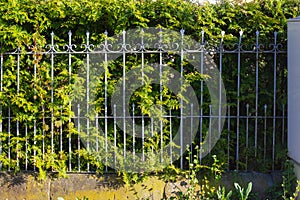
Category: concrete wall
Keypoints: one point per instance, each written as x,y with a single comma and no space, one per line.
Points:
294,93
26,186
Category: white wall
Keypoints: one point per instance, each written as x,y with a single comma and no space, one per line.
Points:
294,93
294,89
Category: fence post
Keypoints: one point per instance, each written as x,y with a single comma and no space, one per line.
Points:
294,93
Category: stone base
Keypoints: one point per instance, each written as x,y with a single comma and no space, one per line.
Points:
25,186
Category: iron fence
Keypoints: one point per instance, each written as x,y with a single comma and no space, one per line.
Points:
40,123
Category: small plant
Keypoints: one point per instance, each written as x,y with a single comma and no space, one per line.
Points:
83,198
243,195
288,188
221,194
199,186
285,191
47,161
296,193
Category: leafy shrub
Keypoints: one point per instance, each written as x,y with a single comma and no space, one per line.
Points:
28,23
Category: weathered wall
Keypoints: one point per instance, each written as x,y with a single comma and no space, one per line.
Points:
105,187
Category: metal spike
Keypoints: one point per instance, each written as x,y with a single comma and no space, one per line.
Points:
241,33
240,39
70,36
182,31
124,35
222,33
52,38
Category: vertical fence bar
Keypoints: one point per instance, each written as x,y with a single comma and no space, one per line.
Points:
18,69
220,82
105,98
228,137
256,92
44,135
152,132
283,125
78,137
115,135
52,92
61,132
26,148
34,121
210,127
171,136
238,97
124,93
160,94
265,132
247,134
8,142
88,96
34,144
191,132
17,142
70,103
143,82
142,48
143,137
97,129
274,99
18,89
283,130
201,95
181,100
133,132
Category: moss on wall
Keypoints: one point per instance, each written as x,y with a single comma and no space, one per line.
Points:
111,187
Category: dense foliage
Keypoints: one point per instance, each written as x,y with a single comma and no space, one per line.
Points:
28,23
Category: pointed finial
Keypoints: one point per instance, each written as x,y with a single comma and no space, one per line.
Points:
222,33
70,36
52,38
202,36
182,31
241,33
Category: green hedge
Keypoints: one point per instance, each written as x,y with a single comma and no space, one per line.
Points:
29,23
24,22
